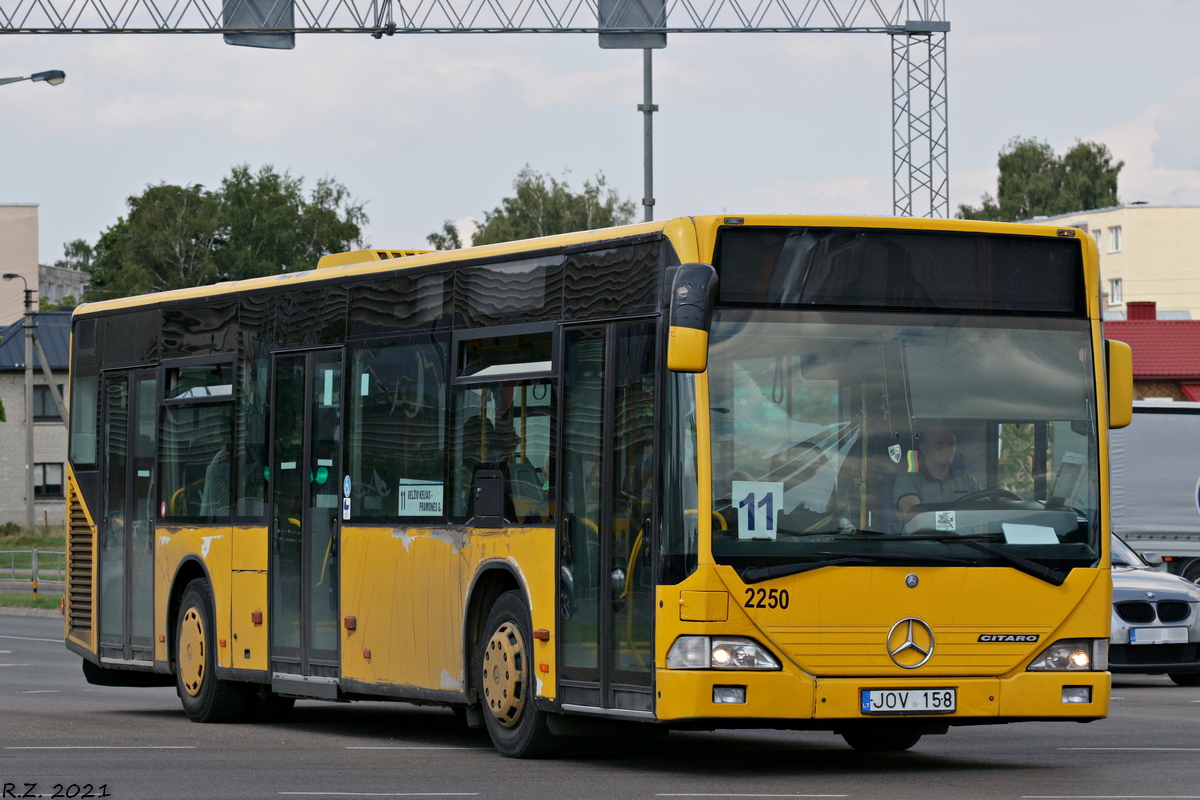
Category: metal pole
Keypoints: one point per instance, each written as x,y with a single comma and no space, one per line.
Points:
29,520
648,108
34,573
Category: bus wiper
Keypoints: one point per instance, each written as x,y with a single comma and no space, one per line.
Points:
1050,575
759,574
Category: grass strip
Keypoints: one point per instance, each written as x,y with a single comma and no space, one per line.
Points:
25,600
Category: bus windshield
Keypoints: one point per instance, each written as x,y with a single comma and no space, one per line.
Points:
847,438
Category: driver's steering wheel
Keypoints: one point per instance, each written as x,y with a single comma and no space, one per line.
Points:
994,493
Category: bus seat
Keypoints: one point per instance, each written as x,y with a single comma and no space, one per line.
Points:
488,498
524,493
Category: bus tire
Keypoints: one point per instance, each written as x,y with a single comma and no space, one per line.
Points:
516,726
1191,570
881,741
266,706
205,697
1185,678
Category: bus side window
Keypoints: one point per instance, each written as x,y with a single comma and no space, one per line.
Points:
195,477
506,427
397,422
195,482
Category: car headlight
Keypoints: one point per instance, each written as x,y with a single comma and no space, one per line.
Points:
1073,655
724,652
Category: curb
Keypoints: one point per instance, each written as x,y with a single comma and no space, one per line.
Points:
16,611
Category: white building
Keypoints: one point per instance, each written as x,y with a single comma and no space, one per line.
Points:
1146,255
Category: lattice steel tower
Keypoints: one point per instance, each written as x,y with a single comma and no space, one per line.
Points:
917,29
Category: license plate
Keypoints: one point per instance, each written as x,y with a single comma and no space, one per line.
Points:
909,701
1158,635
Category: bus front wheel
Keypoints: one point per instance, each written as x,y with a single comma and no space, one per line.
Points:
506,683
205,697
881,741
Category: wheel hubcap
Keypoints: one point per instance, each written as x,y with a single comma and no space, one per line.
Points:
504,674
191,651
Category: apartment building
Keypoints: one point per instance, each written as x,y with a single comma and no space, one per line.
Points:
1148,253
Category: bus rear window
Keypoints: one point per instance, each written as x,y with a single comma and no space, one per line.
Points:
926,270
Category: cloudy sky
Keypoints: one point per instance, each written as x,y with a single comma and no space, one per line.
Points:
428,128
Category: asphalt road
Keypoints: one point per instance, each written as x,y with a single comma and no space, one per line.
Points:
56,729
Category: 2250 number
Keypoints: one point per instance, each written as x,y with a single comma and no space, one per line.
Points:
764,598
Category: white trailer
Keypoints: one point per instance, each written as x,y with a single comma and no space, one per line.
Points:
1154,465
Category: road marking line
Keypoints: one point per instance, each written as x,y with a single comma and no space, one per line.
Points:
14,665
383,794
105,747
5,652
32,639
415,747
1138,750
41,691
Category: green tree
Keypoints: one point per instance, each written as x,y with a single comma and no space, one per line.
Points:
255,224
77,254
541,206
1036,182
448,239
268,225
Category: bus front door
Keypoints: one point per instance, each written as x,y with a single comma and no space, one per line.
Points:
606,589
126,547
306,499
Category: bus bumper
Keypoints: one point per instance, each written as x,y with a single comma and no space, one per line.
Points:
780,695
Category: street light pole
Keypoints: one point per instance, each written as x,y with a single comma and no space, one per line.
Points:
53,77
29,517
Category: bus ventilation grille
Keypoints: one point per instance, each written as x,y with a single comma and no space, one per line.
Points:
79,569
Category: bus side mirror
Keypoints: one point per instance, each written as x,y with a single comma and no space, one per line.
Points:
1120,383
689,316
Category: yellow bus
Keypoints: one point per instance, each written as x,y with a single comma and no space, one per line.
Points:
815,473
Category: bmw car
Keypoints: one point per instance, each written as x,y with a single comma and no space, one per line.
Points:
1156,619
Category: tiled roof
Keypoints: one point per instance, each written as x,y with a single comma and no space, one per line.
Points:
53,330
1163,349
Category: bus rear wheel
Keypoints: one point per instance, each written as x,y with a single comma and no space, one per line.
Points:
205,697
881,741
506,683
1185,678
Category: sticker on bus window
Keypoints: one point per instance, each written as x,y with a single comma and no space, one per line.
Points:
420,498
758,504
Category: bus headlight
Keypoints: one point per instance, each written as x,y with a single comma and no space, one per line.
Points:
1072,655
726,652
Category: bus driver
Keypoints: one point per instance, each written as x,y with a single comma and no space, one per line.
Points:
936,481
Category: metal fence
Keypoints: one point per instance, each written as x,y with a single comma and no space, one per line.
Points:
46,565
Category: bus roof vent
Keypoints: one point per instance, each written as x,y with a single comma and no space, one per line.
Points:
362,256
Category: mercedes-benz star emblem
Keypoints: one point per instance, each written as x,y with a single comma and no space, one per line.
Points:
910,643
911,580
